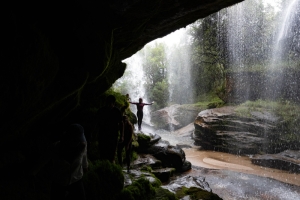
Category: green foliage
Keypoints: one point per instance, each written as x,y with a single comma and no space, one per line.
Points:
155,64
140,189
208,100
160,95
104,180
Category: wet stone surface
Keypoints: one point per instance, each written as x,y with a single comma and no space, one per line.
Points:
234,185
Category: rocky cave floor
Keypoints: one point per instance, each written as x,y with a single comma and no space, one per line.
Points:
233,178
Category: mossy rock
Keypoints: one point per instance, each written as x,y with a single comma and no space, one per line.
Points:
104,180
164,174
164,194
143,140
196,193
140,189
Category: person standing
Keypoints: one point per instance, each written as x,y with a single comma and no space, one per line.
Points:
69,164
140,105
127,143
111,127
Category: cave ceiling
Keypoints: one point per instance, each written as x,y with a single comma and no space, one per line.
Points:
57,55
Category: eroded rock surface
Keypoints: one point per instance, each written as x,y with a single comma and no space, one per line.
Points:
174,117
223,129
287,160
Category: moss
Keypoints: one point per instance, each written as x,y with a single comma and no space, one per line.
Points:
104,180
196,193
120,99
140,189
164,194
143,140
146,168
181,193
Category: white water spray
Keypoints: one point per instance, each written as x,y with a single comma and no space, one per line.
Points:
132,83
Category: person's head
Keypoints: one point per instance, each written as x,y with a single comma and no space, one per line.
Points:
73,142
74,135
110,100
140,100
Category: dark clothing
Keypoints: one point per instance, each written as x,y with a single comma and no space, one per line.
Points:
109,119
128,131
69,160
73,191
140,115
140,106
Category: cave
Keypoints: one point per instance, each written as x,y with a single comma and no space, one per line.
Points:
58,58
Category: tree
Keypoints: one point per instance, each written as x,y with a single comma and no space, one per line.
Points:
155,68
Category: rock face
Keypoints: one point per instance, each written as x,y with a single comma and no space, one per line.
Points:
174,117
169,156
198,188
222,129
288,160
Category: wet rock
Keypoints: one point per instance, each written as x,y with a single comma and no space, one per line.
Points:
170,156
134,175
222,129
188,182
163,174
174,117
164,118
146,160
183,145
229,185
187,165
146,140
288,160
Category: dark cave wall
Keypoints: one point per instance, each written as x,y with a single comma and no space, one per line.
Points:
58,57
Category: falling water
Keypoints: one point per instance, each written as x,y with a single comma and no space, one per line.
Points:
132,82
287,21
279,60
240,33
236,34
179,69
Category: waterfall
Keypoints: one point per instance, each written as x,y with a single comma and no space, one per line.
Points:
280,55
132,83
179,67
283,32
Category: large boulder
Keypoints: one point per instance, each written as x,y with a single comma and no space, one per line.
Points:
288,160
170,156
222,129
174,117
